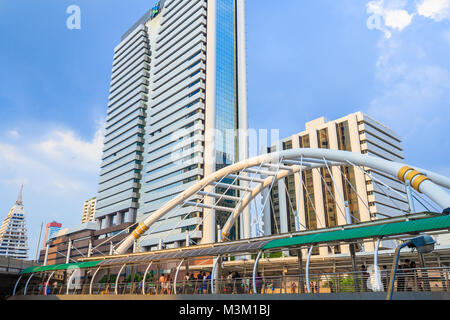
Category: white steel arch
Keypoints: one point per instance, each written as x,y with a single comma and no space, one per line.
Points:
282,164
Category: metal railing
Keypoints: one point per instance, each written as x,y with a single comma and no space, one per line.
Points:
407,280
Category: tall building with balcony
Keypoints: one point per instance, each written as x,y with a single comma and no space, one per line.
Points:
13,232
322,204
89,211
177,105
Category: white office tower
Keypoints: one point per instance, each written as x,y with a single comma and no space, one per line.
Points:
13,232
368,194
178,75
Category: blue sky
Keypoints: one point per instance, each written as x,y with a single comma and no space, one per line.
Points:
306,59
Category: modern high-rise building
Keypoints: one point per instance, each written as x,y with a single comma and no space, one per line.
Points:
177,106
89,211
323,201
51,230
13,232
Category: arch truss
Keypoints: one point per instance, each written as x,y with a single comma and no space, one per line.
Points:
232,189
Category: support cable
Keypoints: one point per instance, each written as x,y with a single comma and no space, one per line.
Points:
354,189
378,180
426,201
270,191
292,207
387,195
312,204
332,196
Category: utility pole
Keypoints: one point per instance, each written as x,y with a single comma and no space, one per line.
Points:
39,243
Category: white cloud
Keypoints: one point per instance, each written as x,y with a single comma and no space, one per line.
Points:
437,10
67,149
412,94
397,19
390,15
14,134
58,161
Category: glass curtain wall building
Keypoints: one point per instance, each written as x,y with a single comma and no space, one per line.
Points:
178,76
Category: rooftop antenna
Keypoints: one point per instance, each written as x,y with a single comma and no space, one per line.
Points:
19,201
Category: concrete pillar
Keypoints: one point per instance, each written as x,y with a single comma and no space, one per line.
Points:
284,228
338,183
108,221
318,193
89,249
129,216
360,178
69,250
300,205
267,218
46,254
209,223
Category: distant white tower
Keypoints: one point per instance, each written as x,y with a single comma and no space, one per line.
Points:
13,232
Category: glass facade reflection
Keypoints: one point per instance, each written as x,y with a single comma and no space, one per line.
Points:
226,97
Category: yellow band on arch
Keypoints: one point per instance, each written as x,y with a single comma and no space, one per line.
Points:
418,181
402,172
140,230
411,175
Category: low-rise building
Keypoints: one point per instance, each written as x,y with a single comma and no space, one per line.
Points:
69,245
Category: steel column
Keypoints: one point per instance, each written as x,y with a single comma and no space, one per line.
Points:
46,284
117,279
377,269
145,276
176,276
213,273
15,286
394,270
26,285
308,260
92,280
255,271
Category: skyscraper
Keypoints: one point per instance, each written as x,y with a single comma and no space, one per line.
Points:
13,232
176,109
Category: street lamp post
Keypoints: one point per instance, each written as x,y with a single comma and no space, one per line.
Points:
423,244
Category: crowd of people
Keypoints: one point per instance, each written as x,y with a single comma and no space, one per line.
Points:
408,278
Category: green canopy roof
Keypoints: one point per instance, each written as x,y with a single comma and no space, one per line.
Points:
56,267
389,229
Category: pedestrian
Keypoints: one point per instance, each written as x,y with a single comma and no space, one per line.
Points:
413,276
384,277
293,287
259,283
407,274
169,285
400,279
229,283
162,280
365,277
206,282
199,284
